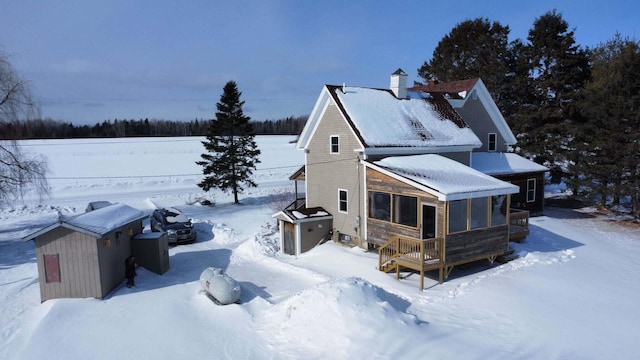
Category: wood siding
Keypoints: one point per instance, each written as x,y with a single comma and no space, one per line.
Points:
519,200
326,173
379,231
476,244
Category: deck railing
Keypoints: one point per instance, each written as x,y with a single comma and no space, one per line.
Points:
518,224
415,254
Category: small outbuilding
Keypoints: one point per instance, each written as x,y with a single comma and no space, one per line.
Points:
151,250
83,255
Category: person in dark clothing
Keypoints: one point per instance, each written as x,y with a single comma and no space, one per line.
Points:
130,270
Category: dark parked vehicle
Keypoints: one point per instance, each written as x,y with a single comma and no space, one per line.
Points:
179,228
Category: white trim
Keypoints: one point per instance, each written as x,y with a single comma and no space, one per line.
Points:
495,142
346,201
331,137
534,189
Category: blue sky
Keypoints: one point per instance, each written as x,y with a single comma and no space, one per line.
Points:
91,61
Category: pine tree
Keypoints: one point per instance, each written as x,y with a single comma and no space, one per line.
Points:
558,71
612,104
473,48
232,153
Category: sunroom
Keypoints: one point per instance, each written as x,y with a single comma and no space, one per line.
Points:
428,212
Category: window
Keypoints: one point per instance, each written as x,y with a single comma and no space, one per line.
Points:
335,144
531,190
479,213
457,216
498,210
492,145
380,205
342,200
52,268
405,210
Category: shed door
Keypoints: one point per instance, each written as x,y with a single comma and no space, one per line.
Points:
289,238
428,221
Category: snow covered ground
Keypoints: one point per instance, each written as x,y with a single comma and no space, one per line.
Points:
574,292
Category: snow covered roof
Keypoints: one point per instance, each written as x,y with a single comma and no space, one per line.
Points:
303,214
95,223
494,163
457,93
382,120
440,176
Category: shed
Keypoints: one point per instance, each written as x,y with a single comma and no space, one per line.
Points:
83,255
151,251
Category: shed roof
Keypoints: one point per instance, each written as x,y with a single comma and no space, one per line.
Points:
442,177
494,163
96,223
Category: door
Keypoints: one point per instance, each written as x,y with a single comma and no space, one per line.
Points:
289,238
428,221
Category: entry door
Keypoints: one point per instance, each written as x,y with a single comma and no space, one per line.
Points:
428,221
289,238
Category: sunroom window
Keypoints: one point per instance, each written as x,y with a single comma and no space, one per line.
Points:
380,205
457,216
405,210
479,213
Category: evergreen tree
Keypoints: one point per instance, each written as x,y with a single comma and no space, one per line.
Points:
550,122
612,104
473,48
232,153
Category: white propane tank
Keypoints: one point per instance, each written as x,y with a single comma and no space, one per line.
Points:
220,286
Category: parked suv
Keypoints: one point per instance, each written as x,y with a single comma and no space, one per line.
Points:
178,226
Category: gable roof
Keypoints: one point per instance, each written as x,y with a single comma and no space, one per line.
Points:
442,177
380,120
458,92
494,163
96,223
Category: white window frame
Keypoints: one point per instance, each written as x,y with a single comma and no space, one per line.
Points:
495,142
337,137
345,202
531,190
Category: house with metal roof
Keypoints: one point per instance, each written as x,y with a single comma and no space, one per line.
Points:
83,255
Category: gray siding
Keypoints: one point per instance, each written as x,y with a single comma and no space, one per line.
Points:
78,259
326,172
481,123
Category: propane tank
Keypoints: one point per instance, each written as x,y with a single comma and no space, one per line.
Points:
220,286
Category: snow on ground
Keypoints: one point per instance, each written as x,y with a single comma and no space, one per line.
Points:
572,293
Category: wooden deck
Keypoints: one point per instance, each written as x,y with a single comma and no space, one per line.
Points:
420,255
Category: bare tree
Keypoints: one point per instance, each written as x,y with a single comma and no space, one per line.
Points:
19,172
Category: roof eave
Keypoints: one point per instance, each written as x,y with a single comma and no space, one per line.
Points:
407,150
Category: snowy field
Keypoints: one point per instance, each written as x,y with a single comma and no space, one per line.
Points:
574,292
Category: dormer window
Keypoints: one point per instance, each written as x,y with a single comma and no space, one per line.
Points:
492,144
335,144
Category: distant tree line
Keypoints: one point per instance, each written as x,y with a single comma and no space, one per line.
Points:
575,110
52,129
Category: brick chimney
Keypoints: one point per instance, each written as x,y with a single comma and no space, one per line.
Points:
399,84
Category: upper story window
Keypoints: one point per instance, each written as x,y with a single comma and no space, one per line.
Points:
342,200
492,144
335,144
